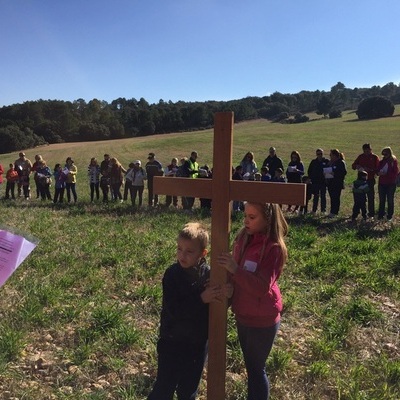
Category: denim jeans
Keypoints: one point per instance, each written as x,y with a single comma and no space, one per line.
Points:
386,194
256,344
179,369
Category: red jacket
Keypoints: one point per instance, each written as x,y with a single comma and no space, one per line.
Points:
391,172
369,163
257,300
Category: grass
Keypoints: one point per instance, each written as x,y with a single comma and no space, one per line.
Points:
79,318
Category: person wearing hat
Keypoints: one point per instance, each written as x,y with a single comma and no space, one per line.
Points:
273,162
153,168
24,167
138,176
369,162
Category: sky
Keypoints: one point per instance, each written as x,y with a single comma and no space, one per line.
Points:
193,50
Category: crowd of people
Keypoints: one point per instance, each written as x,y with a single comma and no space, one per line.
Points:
323,176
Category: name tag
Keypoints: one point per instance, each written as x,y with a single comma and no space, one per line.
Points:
250,266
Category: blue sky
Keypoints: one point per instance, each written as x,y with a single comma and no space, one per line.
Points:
193,50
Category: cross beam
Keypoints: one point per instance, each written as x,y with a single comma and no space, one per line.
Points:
222,190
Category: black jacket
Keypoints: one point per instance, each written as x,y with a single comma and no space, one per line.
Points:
184,316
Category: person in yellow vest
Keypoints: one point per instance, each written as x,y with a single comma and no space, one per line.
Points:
190,170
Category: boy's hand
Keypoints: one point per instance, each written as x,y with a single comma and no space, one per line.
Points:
211,294
227,290
227,261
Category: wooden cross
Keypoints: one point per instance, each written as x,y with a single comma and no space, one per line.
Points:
222,190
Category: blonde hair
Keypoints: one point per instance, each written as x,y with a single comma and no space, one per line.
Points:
195,231
276,229
389,150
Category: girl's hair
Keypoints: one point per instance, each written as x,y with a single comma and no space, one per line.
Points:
295,153
248,154
38,157
337,153
276,229
195,231
115,161
174,159
94,160
56,167
389,150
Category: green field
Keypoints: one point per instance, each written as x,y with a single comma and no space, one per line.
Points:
79,318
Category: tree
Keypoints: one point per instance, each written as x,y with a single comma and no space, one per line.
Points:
375,107
324,105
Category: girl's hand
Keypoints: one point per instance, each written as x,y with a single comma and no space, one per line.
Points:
227,261
211,294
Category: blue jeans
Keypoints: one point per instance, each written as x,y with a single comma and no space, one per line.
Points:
256,344
179,369
386,193
71,188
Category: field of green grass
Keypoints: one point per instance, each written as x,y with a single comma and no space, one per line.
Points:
79,318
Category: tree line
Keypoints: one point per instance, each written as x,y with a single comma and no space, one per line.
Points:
34,123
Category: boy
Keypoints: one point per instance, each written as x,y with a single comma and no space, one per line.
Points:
182,344
360,190
307,181
11,177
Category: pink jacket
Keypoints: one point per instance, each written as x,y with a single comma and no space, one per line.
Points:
257,300
391,170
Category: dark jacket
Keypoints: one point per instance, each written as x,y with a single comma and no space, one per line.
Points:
316,170
273,163
184,316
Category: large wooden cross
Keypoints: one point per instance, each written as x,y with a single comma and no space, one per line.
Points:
222,190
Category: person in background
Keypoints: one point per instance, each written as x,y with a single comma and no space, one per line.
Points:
71,170
254,267
360,190
138,177
60,178
11,177
105,184
265,175
38,159
94,178
153,168
249,166
205,172
278,176
273,162
335,180
191,170
43,179
24,168
1,174
307,181
105,164
128,181
182,343
369,162
117,172
171,171
237,176
294,172
387,171
316,174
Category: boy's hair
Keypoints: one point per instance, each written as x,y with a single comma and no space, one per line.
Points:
279,170
238,168
11,165
265,169
195,231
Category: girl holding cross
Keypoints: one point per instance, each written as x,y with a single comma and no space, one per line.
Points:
259,254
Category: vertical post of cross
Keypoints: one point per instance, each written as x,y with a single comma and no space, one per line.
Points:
220,232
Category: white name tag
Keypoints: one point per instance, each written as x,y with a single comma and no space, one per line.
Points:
250,266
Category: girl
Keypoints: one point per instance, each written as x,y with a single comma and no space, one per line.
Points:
335,180
59,184
259,254
117,172
387,172
71,179
294,172
249,166
94,178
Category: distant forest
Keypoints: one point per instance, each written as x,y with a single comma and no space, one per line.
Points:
39,122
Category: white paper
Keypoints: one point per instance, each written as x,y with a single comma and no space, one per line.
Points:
250,266
13,251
